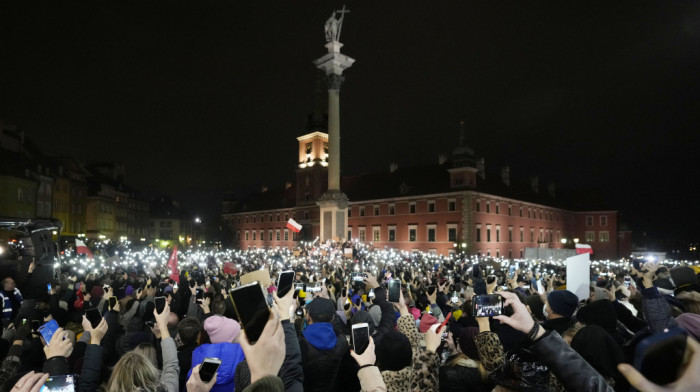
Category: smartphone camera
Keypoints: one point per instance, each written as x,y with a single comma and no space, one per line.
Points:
487,305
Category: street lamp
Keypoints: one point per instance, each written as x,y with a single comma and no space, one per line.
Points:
563,241
576,240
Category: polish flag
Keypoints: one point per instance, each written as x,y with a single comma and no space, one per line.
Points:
293,225
82,249
172,265
583,248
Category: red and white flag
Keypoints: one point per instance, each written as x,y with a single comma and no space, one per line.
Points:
583,248
82,249
293,225
172,266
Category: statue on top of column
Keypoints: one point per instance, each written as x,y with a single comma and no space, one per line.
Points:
333,26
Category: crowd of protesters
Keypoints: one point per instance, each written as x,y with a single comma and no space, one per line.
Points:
547,339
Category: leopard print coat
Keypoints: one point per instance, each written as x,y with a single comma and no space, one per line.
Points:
423,374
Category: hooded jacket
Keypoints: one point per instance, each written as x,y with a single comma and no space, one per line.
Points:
321,355
229,353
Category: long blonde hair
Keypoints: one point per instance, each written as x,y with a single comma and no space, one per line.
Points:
133,372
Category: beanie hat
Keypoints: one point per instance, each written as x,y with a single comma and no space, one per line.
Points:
97,292
683,276
563,302
393,351
221,329
129,290
601,313
427,321
320,306
467,344
690,322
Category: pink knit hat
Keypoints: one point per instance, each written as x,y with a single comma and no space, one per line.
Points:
427,321
221,329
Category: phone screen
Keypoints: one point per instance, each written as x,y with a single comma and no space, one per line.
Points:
94,317
59,384
360,337
47,330
431,290
160,304
660,356
48,286
284,283
487,305
358,277
209,368
394,290
112,302
628,281
251,306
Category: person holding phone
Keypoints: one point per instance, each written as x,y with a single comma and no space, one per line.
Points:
92,363
571,369
322,351
123,377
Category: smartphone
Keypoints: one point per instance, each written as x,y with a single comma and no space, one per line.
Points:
444,322
490,279
360,337
487,305
540,287
48,287
371,293
60,383
192,283
431,290
47,330
394,290
660,357
511,272
455,297
150,323
199,295
299,286
175,287
344,292
358,277
299,312
252,310
526,286
284,283
315,289
94,317
112,302
105,287
160,304
628,281
209,368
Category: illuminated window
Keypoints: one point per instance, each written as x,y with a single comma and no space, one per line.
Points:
590,236
604,236
309,148
362,234
375,234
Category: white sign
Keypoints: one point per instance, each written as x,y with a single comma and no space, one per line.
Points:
578,275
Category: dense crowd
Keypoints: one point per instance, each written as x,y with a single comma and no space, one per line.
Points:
639,327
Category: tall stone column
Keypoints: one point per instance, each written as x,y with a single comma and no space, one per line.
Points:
334,203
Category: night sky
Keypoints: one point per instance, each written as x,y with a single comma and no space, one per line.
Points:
200,96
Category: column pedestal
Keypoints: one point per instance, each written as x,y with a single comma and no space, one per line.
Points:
334,215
